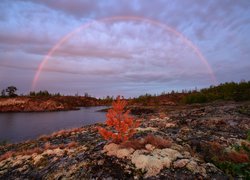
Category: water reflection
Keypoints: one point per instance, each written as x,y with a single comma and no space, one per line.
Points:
16,127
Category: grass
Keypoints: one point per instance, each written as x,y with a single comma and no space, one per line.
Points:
156,141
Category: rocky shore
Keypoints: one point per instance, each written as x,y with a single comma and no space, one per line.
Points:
45,104
175,142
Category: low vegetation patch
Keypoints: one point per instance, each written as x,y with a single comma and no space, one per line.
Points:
156,141
234,160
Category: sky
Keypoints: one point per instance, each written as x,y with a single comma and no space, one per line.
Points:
121,47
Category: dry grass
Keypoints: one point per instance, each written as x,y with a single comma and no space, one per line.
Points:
156,141
238,157
11,102
64,132
37,150
44,138
72,144
217,150
6,155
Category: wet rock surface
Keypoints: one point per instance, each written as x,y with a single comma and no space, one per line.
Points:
82,154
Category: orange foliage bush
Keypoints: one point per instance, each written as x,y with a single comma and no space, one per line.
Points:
121,125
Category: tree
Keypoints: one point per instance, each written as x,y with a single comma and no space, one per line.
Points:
86,95
121,125
3,93
11,91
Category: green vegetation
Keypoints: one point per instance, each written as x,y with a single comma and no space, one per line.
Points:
238,165
228,91
244,110
3,143
238,170
44,93
9,92
233,160
144,99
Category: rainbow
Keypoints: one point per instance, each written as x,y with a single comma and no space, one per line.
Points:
123,18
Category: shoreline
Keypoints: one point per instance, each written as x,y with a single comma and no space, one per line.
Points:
193,131
46,104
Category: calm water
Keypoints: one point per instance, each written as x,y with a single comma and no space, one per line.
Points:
16,127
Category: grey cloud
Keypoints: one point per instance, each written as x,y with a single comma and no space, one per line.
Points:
125,52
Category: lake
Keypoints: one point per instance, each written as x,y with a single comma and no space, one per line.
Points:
17,127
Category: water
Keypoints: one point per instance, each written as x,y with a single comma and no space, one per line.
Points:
17,127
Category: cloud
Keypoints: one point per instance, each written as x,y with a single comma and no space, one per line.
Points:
124,55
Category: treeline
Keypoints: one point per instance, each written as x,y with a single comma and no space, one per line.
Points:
227,91
146,99
44,93
9,92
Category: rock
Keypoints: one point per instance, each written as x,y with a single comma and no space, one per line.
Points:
73,133
111,149
152,165
186,154
149,147
177,147
115,150
181,163
195,168
178,140
153,162
3,172
57,152
23,168
168,125
147,129
184,130
192,165
211,168
37,159
167,152
122,153
100,162
17,162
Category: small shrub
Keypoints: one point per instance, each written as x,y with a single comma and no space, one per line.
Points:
121,125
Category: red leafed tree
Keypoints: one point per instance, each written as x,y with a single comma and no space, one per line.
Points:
121,125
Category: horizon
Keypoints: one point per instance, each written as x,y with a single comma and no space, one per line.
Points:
88,94
123,48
